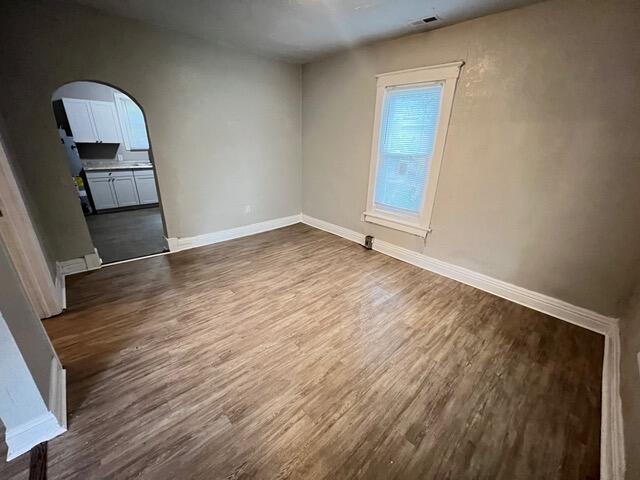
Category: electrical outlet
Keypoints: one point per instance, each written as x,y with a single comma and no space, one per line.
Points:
120,157
248,209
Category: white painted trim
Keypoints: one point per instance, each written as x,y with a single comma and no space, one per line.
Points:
23,246
444,70
91,261
69,267
612,454
177,244
397,223
58,392
445,75
41,429
333,228
61,287
160,254
184,243
612,462
172,243
537,301
534,300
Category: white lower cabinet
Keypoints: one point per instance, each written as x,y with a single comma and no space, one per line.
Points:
125,189
122,188
146,185
103,193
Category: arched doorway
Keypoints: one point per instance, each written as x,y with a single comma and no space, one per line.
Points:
104,133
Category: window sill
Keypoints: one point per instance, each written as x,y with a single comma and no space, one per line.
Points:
390,221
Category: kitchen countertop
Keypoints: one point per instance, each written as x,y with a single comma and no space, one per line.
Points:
117,166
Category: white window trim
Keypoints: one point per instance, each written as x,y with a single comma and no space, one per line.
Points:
447,74
124,122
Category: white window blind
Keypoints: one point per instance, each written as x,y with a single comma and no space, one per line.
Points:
134,129
408,131
412,114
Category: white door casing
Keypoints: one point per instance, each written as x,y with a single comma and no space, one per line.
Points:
19,236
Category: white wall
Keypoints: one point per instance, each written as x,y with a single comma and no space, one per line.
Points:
224,126
539,180
26,357
24,324
17,383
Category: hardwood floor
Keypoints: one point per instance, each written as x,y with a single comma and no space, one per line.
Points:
297,354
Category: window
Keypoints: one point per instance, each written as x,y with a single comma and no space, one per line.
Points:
410,126
134,129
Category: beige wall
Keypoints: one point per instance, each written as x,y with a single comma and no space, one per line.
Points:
539,182
224,126
630,384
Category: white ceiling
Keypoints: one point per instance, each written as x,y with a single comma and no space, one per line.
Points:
299,30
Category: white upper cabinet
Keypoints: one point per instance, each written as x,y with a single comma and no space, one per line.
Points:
80,120
105,120
92,121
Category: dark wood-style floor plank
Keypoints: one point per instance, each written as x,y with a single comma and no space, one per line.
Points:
126,234
297,354
38,462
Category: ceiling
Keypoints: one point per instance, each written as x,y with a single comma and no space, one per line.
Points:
299,30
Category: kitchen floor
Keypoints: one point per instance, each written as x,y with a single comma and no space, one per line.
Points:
127,234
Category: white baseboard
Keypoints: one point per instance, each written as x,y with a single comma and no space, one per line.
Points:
69,267
534,300
332,228
612,463
61,288
58,392
91,261
40,429
44,427
184,243
612,456
172,243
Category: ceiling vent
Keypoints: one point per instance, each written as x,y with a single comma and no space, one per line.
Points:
423,23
